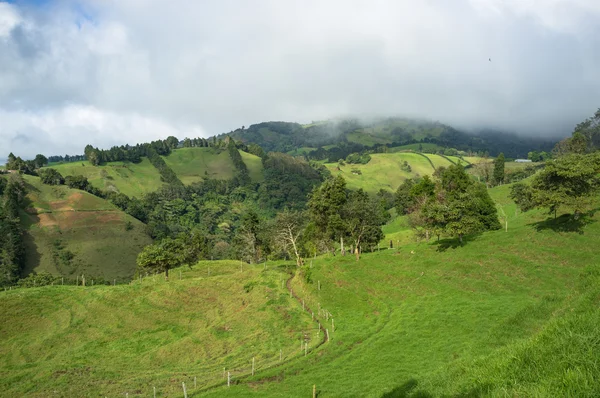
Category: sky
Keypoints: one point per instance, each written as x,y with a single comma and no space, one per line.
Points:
111,72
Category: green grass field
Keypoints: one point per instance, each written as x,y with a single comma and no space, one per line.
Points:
132,179
68,341
383,171
91,228
195,164
255,166
509,314
438,161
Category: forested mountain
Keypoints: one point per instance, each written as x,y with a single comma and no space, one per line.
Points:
335,140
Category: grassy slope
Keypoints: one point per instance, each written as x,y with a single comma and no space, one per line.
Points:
509,314
129,178
383,171
255,166
70,341
194,164
90,227
483,319
438,161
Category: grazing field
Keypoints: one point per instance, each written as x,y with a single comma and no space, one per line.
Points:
254,165
102,241
383,171
510,313
438,161
69,341
132,179
432,320
195,164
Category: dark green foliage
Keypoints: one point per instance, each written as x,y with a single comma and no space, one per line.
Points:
77,182
538,156
241,170
458,207
363,217
356,158
11,242
167,175
406,167
498,174
288,180
24,166
403,199
337,214
286,137
51,177
565,182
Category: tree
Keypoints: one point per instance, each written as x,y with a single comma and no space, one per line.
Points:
289,226
498,175
40,161
459,206
161,257
51,177
565,182
324,207
403,199
363,217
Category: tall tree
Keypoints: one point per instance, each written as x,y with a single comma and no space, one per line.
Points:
459,206
499,169
566,182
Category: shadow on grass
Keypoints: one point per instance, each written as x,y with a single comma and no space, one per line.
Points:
408,390
567,222
453,243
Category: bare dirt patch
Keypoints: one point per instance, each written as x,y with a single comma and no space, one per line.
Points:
67,204
47,220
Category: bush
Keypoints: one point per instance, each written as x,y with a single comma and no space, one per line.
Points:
51,177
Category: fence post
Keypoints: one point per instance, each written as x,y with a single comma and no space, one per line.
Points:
252,366
184,391
228,379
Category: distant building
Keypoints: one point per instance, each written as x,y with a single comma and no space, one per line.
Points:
522,161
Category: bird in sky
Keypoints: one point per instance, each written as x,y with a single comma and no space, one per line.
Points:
490,59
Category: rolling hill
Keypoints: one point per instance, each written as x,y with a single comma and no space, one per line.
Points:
394,132
384,170
70,232
189,164
421,320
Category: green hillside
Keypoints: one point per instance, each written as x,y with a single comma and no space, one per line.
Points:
383,171
135,179
102,240
132,179
112,340
420,320
194,164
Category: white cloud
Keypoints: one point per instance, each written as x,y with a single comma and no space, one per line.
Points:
9,18
69,129
223,64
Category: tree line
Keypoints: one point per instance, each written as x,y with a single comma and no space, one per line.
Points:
12,252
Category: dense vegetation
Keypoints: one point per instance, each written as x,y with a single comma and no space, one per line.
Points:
12,194
334,140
